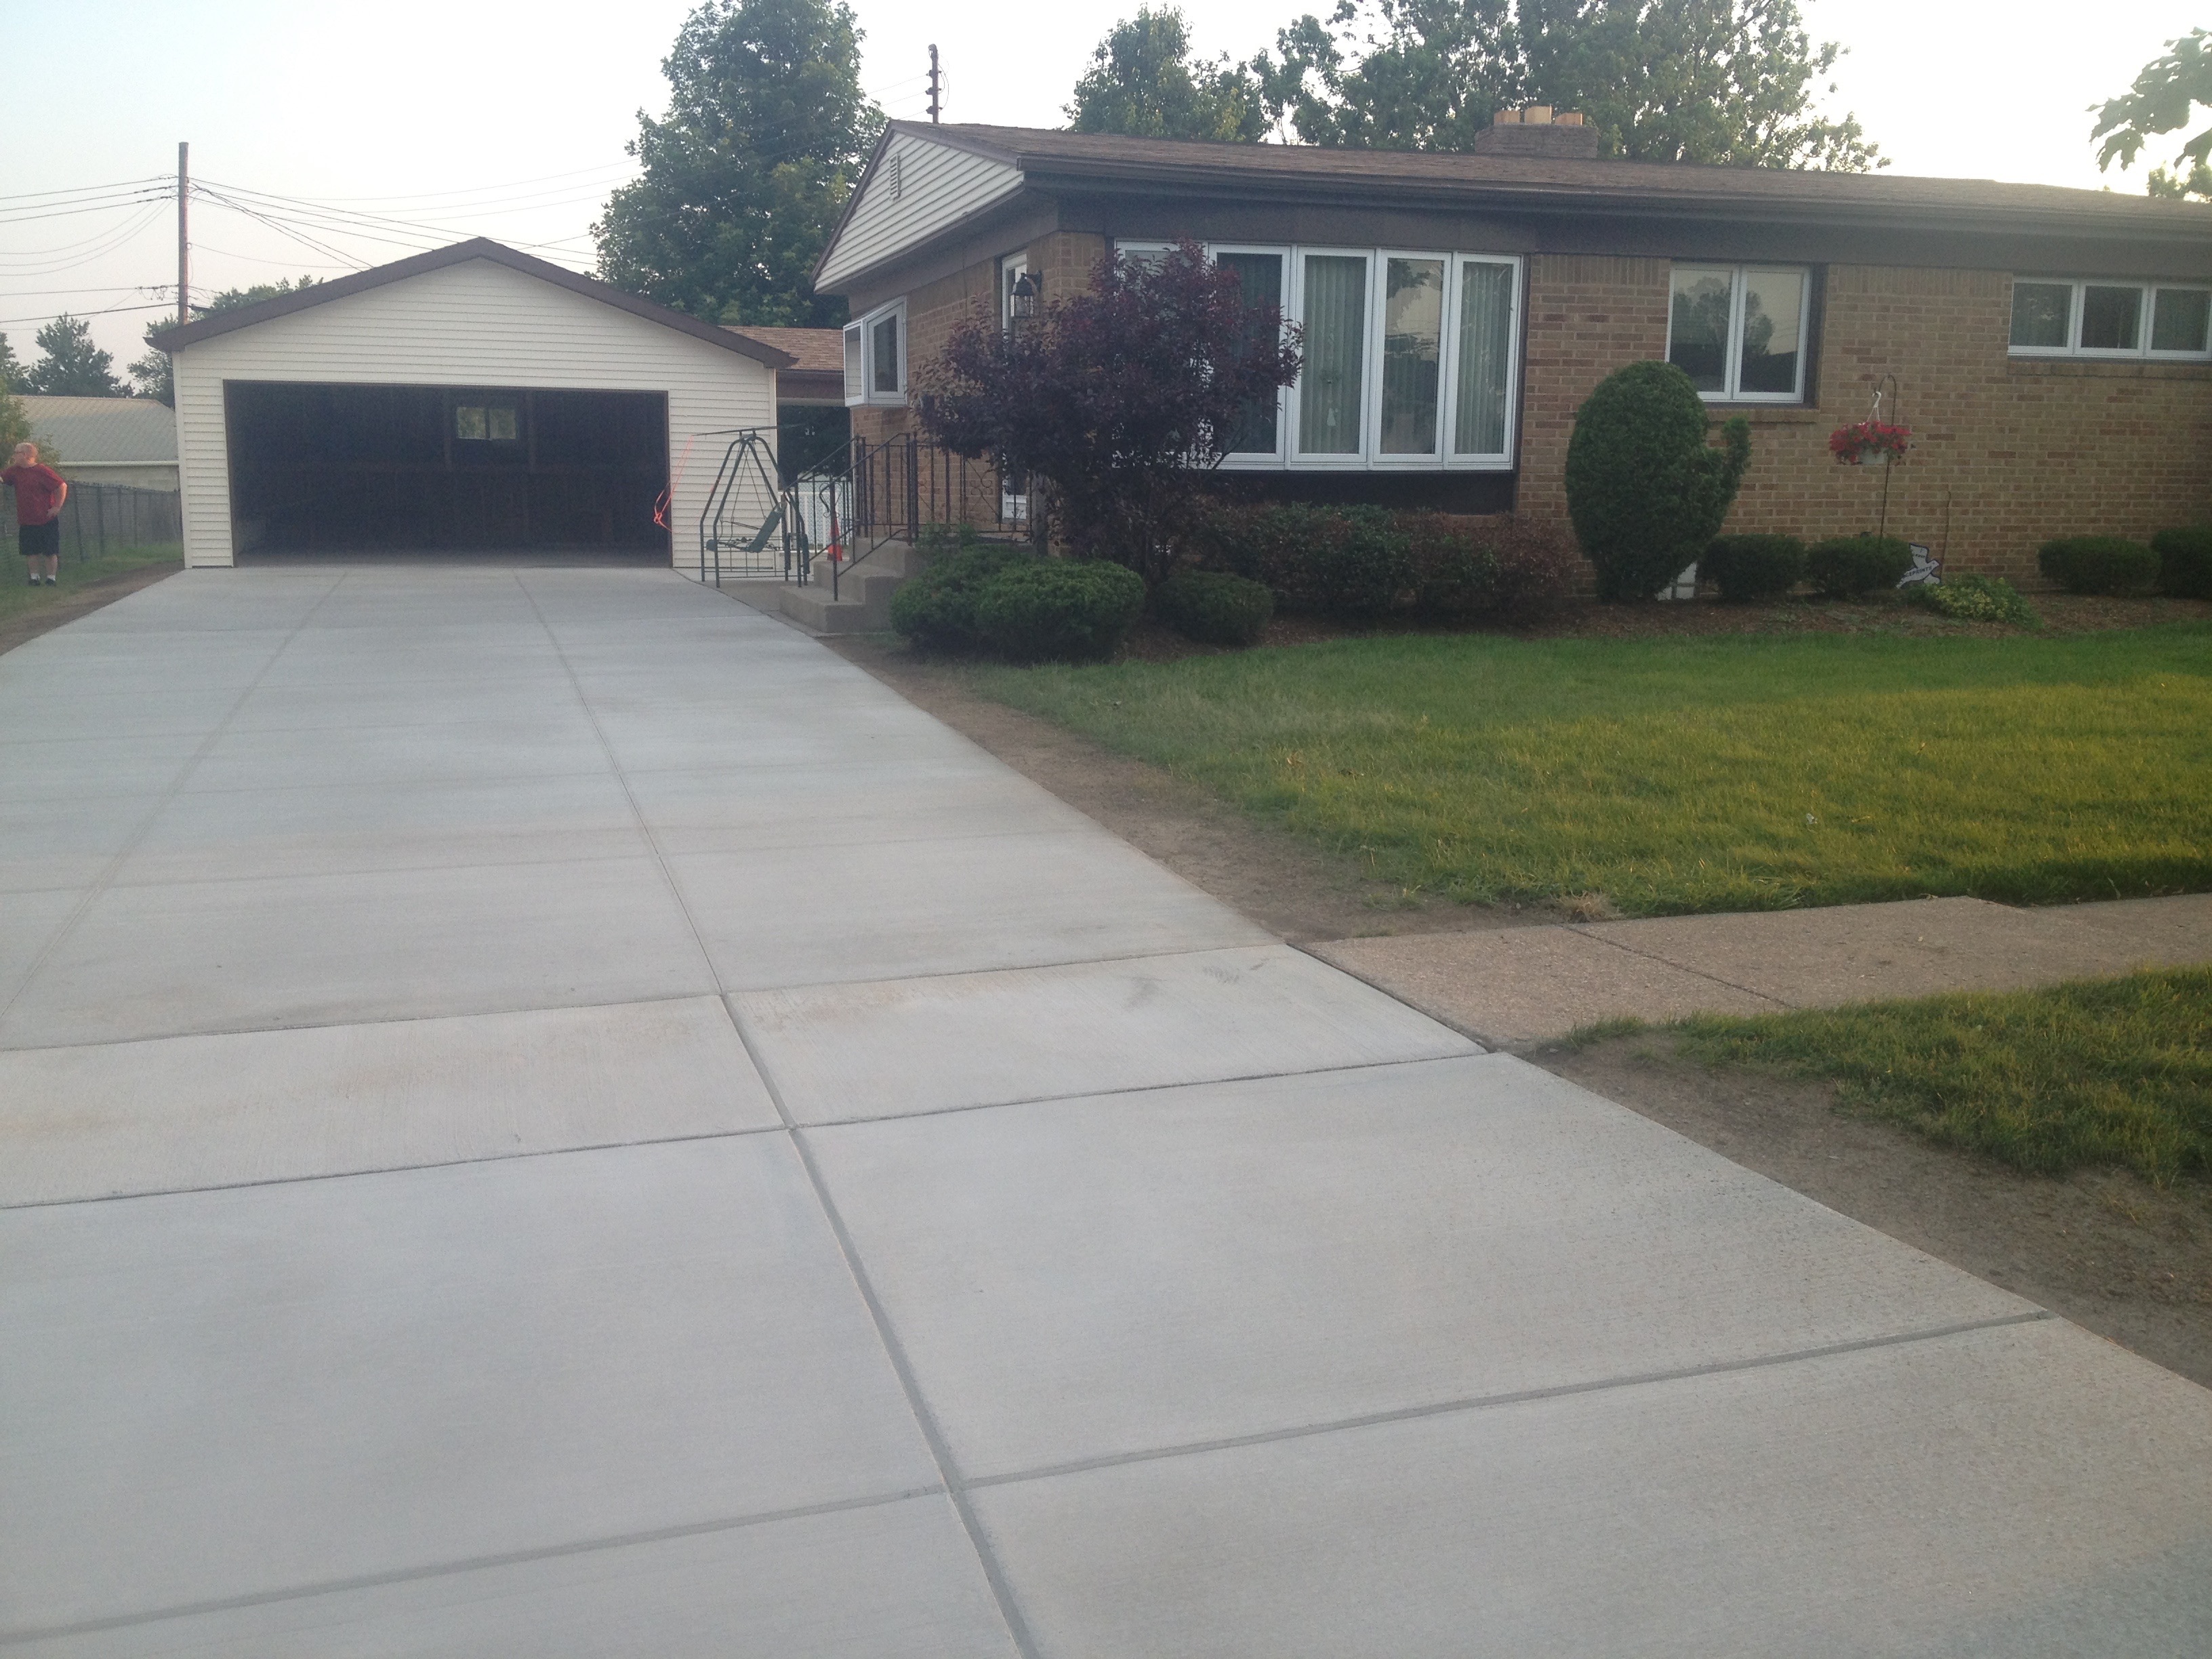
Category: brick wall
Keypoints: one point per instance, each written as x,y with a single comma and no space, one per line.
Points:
2007,453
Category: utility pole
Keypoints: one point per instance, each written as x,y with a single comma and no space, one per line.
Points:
932,86
183,237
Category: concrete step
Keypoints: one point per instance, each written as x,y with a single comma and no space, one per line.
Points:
863,605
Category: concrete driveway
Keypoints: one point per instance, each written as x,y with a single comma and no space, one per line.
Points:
541,1112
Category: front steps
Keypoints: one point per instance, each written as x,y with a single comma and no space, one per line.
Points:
864,601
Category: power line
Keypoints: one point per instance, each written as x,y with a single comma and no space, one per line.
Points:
82,190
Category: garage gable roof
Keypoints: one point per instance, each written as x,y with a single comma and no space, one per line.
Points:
226,322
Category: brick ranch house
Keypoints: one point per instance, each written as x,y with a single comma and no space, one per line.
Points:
2051,349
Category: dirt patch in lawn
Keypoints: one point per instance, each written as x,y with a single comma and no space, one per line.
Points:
1294,891
2105,1248
26,625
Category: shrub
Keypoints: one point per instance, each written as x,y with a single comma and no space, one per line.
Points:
1058,609
1844,567
1338,562
1644,489
1454,567
2184,562
2098,564
1754,566
1214,606
1538,568
937,609
1975,599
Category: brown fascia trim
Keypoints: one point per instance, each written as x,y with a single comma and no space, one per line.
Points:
498,253
1063,174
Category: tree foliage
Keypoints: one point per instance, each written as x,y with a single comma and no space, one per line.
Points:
1119,398
152,374
766,132
14,422
1646,492
1144,82
2161,101
69,365
1724,82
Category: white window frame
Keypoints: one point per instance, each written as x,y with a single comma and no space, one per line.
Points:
1010,267
1377,326
1357,460
1732,375
1448,421
1139,249
1269,459
2148,287
863,330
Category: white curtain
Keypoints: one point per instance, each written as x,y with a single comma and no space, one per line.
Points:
1486,346
1336,328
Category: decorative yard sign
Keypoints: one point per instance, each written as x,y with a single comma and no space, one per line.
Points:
1926,572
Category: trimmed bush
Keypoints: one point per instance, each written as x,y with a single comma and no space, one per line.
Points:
1845,567
2184,562
1337,561
1538,569
1754,566
1645,490
1058,609
1975,599
937,610
1214,607
2098,564
1455,570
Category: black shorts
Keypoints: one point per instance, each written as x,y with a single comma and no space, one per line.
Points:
42,541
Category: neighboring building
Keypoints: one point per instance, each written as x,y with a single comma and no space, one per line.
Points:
109,440
2051,348
470,399
815,377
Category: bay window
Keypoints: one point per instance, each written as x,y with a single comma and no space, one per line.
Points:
875,357
2065,317
1739,331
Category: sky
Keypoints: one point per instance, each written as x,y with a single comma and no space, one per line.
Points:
461,118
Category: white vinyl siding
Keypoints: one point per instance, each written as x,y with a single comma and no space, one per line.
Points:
478,324
916,188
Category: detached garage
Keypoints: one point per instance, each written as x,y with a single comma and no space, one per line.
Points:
470,400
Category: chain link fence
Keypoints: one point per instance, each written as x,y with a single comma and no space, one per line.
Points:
98,519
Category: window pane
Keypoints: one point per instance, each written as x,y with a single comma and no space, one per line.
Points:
1697,343
501,425
1413,354
1773,316
2180,323
1485,338
468,421
854,390
2112,318
886,349
1261,277
2040,314
1336,328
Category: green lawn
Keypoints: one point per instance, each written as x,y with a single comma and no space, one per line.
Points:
1745,772
2105,1072
18,596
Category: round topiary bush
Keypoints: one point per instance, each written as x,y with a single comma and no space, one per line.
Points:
1845,567
1754,566
1645,490
937,610
2184,562
1215,608
2098,564
1058,609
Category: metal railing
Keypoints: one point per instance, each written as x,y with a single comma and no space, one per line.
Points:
897,487
97,517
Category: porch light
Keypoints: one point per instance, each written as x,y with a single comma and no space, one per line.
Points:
1023,304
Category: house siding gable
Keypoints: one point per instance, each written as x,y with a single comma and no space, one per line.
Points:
917,190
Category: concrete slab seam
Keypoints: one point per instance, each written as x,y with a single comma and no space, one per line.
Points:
106,879
1484,1039
925,1421
473,1564
1668,962
1524,1396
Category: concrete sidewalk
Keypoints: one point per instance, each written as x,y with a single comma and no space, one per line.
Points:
542,1112
1516,987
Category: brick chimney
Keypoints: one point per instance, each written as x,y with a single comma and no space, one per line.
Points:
1535,129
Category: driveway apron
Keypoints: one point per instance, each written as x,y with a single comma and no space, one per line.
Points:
543,1112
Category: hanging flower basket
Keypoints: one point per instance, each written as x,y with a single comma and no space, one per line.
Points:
1869,442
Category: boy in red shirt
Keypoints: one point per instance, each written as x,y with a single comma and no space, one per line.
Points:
39,493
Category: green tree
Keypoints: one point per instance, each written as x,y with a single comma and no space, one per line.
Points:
15,424
69,365
2161,101
766,133
151,375
1724,82
1144,82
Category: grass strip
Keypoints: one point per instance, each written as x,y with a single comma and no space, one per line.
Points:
2092,1074
18,596
1677,776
